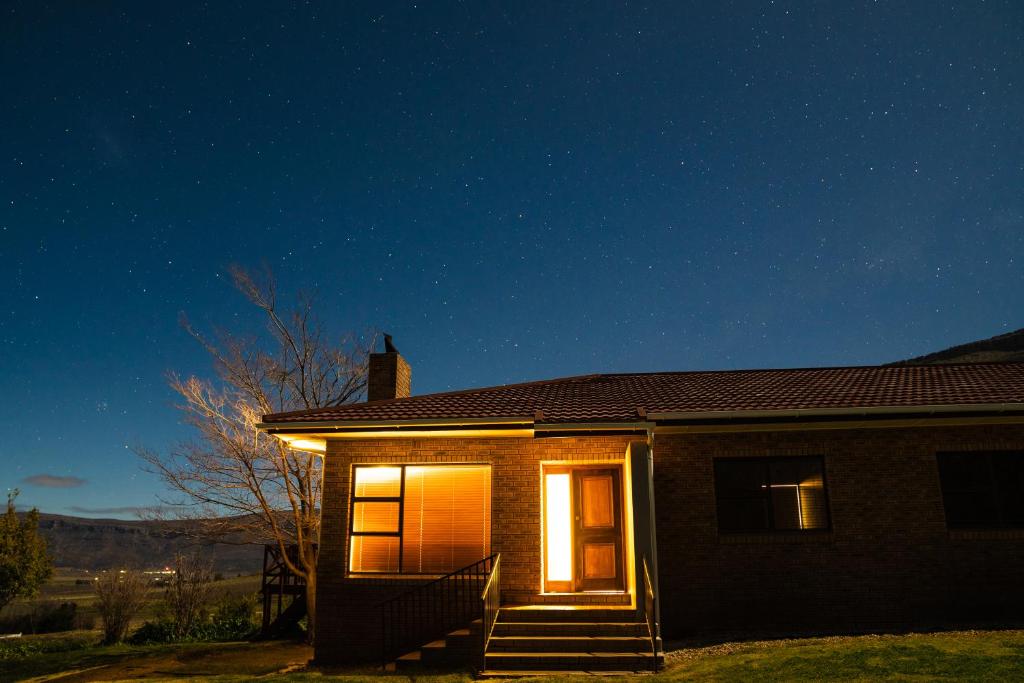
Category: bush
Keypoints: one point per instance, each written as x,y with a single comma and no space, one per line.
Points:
120,596
45,617
17,648
161,631
51,618
232,619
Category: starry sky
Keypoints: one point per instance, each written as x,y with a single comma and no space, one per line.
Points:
515,191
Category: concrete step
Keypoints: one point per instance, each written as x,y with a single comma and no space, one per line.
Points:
410,661
569,628
569,661
569,644
458,648
566,613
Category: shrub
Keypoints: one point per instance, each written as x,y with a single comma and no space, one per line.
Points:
188,592
17,648
52,618
120,596
45,617
232,619
161,631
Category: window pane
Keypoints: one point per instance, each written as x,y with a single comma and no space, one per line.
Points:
968,510
770,493
378,482
375,517
1008,469
447,517
743,515
374,554
740,478
798,494
741,493
967,489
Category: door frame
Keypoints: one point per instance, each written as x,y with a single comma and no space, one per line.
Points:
625,519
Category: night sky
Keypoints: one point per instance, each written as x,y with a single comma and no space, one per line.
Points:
515,191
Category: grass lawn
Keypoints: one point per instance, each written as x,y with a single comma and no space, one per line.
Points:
961,655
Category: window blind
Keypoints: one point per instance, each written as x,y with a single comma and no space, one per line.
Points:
447,517
419,519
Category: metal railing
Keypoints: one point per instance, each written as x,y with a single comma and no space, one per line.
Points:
650,612
491,602
432,610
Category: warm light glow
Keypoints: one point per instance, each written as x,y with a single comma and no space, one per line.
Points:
378,481
558,527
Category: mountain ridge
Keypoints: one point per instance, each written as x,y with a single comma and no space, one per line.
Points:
1002,348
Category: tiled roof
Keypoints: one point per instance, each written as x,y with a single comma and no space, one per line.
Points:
617,397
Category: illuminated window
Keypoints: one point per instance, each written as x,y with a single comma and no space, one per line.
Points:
558,527
983,489
770,494
418,519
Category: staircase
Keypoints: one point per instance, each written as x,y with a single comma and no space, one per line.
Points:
458,649
532,639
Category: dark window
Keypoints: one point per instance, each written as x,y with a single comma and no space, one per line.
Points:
983,489
770,494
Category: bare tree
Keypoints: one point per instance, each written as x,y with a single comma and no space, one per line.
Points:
242,484
188,592
119,597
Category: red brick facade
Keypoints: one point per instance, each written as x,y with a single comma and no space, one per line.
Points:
888,561
348,622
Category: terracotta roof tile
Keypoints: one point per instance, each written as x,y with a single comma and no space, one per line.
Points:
616,397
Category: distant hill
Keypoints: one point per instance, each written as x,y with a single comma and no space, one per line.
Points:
1004,348
84,543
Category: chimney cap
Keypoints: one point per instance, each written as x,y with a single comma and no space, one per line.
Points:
389,347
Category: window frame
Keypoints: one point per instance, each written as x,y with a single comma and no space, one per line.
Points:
994,494
768,460
400,499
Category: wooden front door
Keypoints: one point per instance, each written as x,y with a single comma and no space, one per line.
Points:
597,529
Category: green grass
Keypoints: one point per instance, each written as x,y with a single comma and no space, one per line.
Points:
962,655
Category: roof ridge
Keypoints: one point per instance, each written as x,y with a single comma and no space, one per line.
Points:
958,380
901,365
439,394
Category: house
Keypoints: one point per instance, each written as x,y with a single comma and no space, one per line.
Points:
572,523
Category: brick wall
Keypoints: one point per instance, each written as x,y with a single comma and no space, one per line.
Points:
388,376
888,563
348,622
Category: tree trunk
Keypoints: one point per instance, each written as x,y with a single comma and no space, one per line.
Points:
311,608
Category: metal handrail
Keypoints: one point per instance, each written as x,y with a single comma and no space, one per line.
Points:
650,610
432,610
490,600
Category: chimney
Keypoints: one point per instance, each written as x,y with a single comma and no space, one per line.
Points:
389,376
